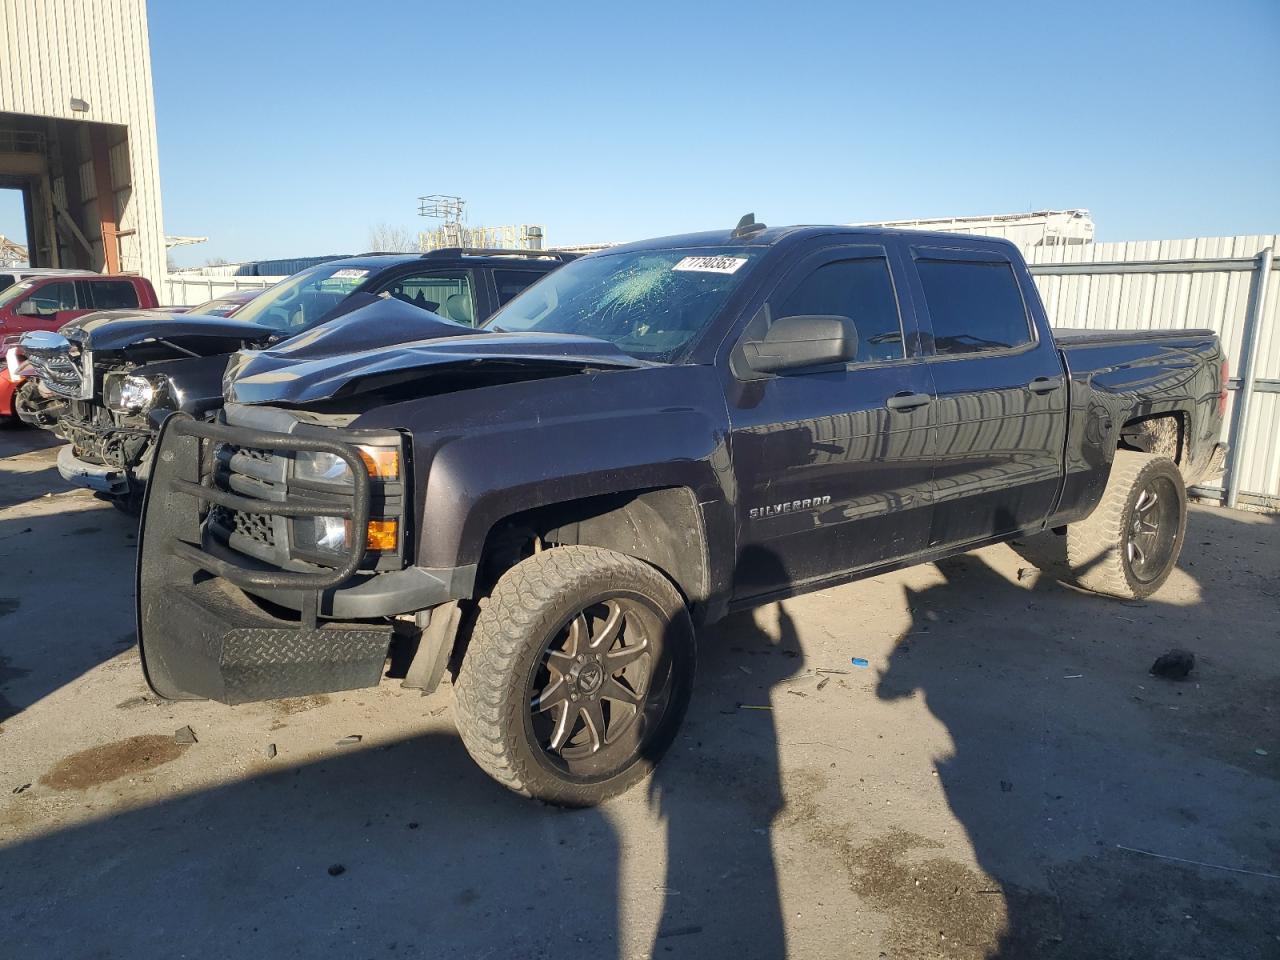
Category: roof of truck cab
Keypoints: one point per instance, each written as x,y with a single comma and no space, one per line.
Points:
382,261
772,236
30,273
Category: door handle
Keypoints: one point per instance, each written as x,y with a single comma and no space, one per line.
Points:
908,401
1044,384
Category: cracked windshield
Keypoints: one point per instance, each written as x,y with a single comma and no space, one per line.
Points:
651,304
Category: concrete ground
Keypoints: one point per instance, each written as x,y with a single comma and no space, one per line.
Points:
1004,779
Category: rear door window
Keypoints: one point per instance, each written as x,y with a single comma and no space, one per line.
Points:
512,282
975,306
446,292
861,290
112,294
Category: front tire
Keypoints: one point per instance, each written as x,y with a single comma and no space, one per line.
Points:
1130,543
577,675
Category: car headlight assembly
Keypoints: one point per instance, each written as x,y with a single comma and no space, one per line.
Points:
336,535
331,533
382,463
321,467
131,394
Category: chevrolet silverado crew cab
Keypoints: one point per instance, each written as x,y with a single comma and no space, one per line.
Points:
104,380
646,439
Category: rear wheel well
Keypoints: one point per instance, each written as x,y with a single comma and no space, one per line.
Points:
662,526
1163,434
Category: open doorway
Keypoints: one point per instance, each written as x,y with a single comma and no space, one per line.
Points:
13,233
13,229
74,187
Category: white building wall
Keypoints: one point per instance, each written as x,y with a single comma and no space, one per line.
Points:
52,51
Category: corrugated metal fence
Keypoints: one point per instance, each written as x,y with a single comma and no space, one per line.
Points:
189,289
1212,282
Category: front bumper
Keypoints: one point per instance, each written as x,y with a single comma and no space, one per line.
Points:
206,640
202,633
95,476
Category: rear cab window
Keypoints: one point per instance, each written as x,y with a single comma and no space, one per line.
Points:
974,302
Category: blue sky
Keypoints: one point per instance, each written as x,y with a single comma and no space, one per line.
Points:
288,130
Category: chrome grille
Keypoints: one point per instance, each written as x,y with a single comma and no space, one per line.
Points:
62,373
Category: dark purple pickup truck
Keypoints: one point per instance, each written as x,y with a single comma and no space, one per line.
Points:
646,439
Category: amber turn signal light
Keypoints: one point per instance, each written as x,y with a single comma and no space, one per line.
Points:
382,535
383,463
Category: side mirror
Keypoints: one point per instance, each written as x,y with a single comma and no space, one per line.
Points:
793,343
28,308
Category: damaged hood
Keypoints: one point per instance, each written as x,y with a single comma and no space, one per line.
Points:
201,335
390,341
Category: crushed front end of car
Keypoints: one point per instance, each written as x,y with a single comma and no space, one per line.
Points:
94,402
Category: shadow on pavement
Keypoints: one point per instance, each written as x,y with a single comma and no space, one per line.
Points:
66,596
436,859
16,438
1065,747
722,889
433,859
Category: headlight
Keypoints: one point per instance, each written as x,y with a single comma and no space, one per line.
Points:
130,394
331,533
325,467
382,463
335,536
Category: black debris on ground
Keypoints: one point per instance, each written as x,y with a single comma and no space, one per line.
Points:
1174,665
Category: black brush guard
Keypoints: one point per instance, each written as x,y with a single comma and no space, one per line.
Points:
199,636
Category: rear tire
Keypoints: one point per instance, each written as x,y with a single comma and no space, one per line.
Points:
1130,543
577,675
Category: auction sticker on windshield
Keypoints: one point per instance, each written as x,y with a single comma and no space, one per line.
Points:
349,273
711,264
